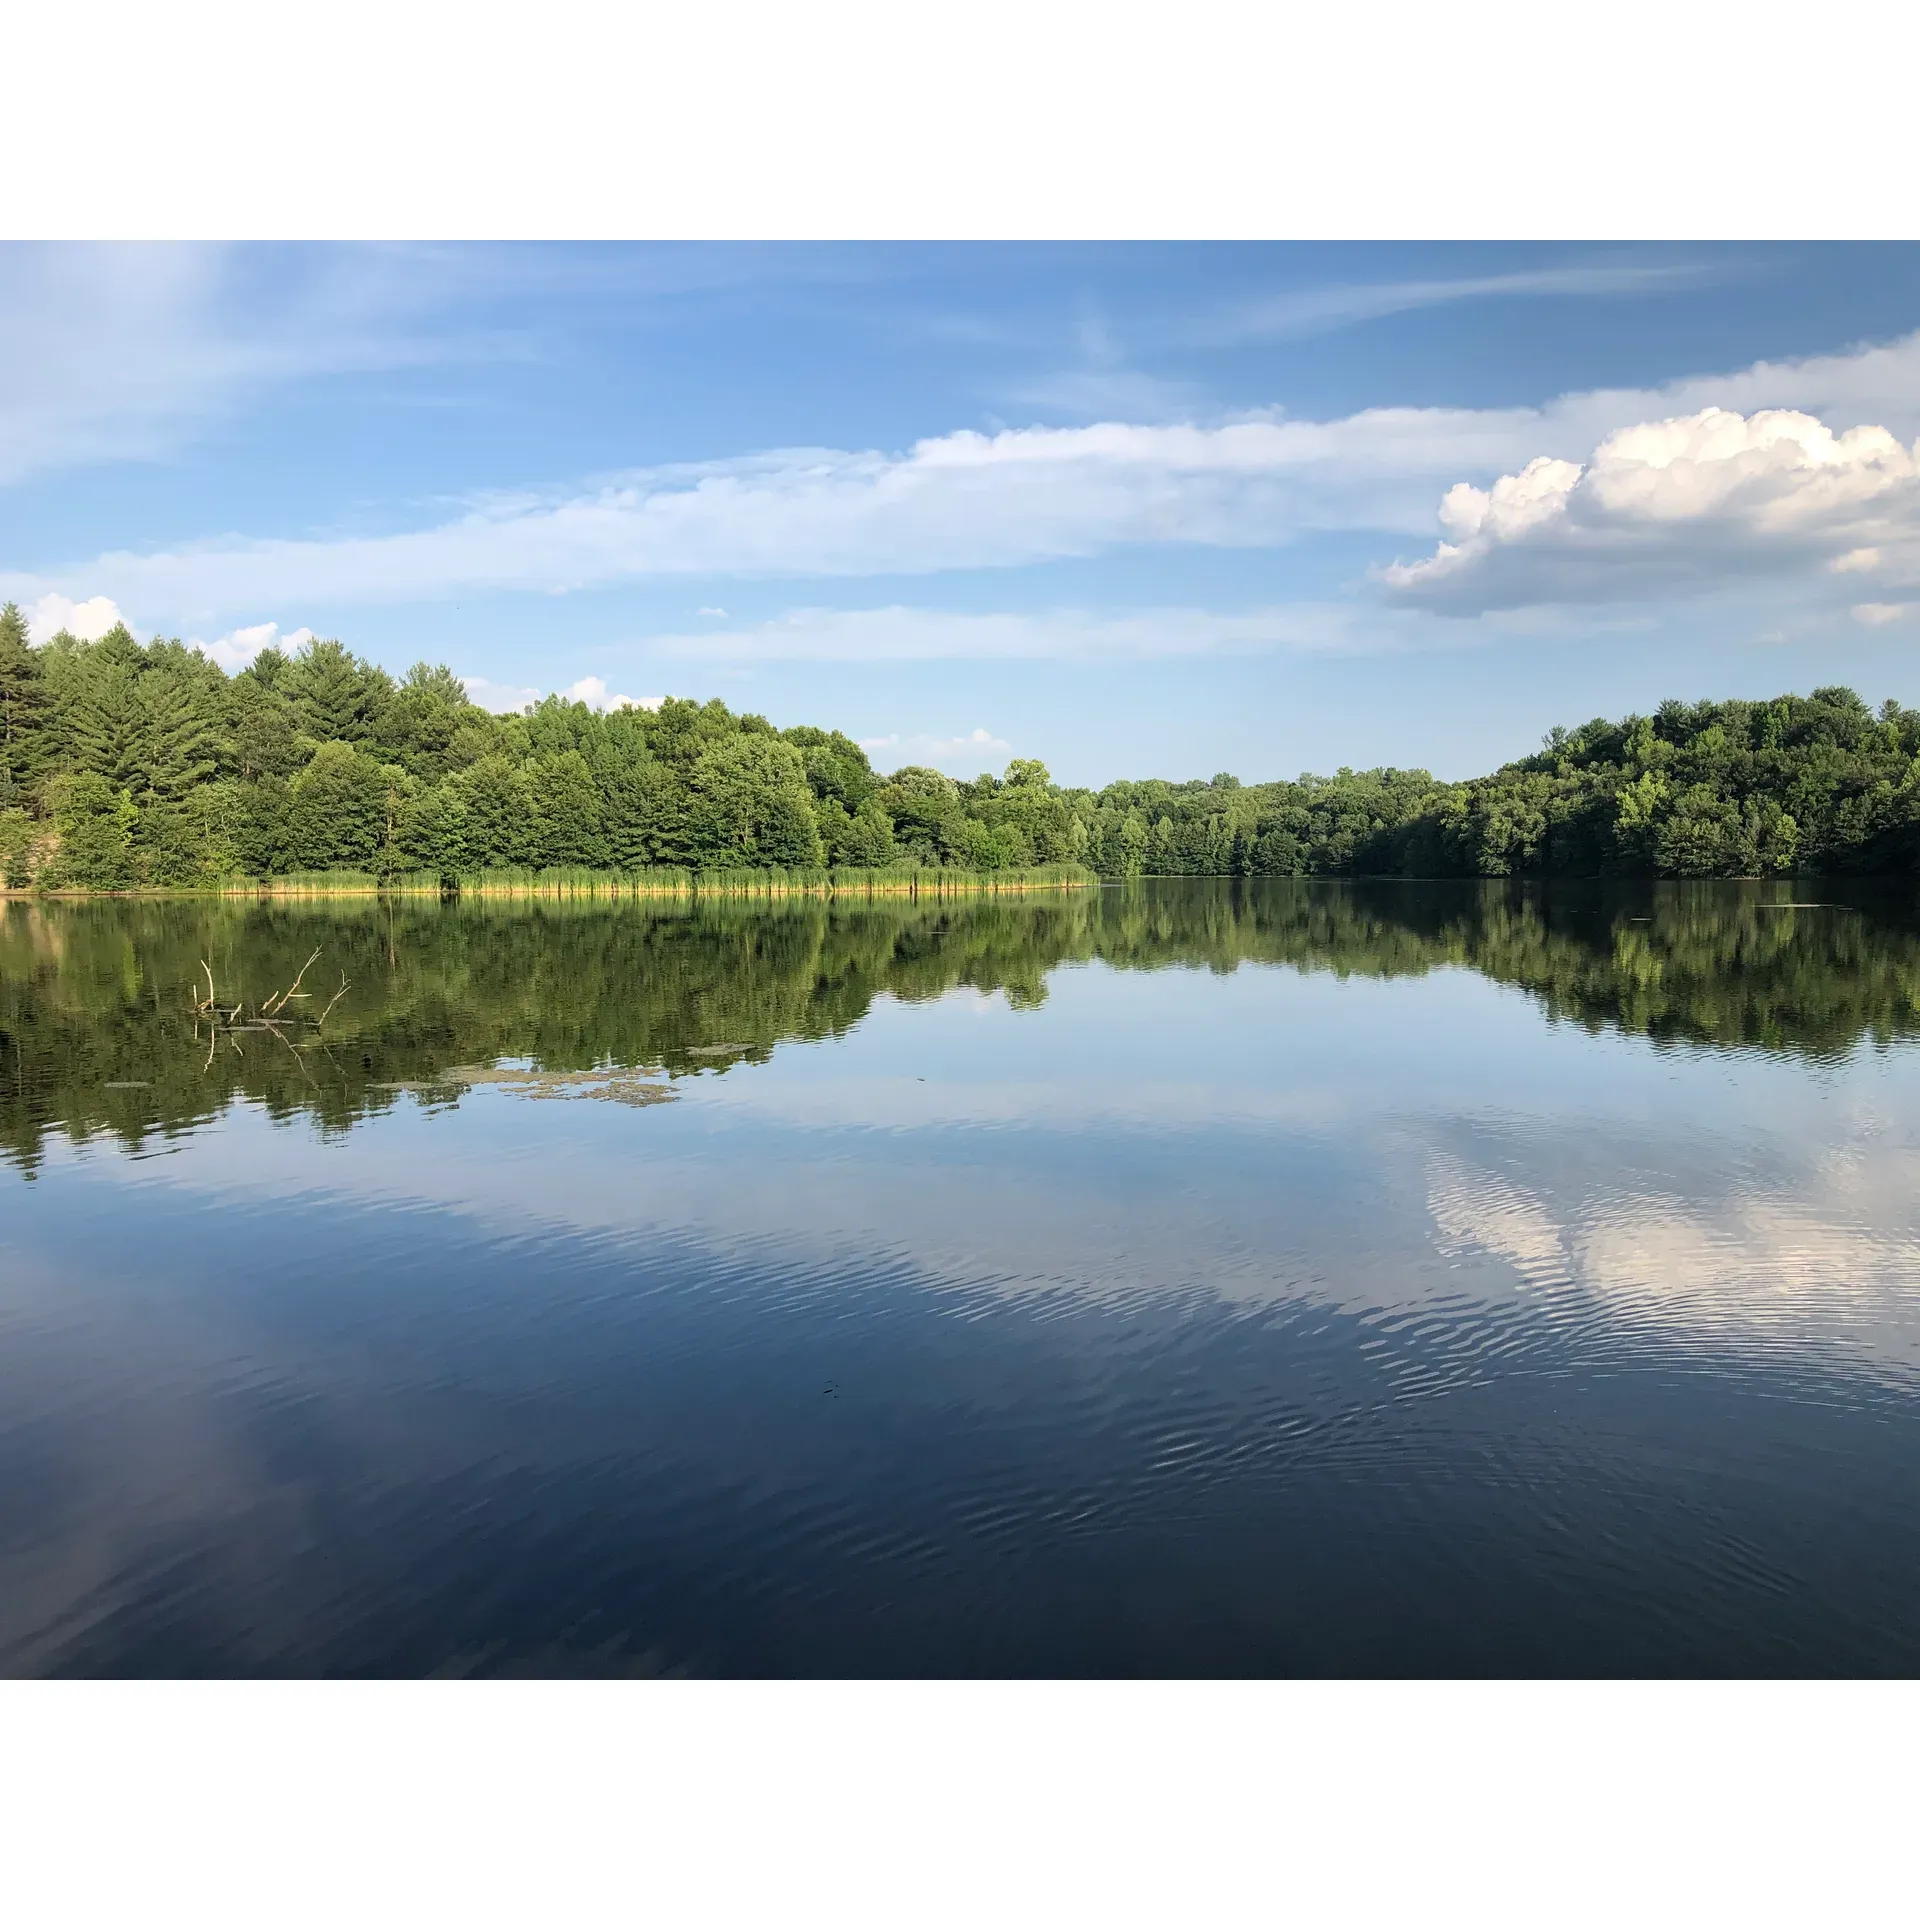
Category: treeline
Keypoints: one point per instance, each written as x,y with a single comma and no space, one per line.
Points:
124,765
1817,784
99,1031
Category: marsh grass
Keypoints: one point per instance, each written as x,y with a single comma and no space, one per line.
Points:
591,883
671,882
307,886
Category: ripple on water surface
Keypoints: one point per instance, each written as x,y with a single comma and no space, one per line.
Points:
1226,1287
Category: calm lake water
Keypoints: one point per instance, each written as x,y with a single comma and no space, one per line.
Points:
1186,1278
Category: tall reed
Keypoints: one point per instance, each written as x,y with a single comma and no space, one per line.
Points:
748,882
593,883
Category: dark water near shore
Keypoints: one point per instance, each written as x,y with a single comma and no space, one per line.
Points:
1183,1279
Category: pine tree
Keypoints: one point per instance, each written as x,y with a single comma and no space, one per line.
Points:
336,696
180,738
24,707
263,730
423,722
102,724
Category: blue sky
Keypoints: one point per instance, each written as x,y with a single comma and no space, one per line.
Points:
1132,509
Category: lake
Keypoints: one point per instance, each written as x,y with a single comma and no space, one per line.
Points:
1179,1278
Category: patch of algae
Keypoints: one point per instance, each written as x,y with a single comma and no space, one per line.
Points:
626,1086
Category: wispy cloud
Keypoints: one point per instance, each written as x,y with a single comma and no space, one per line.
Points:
1322,309
965,501
902,633
1104,382
968,500
1101,383
123,352
1101,393
116,352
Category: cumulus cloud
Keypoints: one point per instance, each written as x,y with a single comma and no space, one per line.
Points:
244,644
1880,613
1672,503
497,698
85,619
977,749
593,690
88,619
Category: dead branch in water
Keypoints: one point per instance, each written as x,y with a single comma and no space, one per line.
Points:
331,1004
273,1005
270,1016
273,1028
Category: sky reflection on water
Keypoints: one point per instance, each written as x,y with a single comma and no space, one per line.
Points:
1186,1307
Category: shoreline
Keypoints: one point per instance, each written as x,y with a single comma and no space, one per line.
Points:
665,883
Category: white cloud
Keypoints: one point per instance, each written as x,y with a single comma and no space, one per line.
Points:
901,633
1102,393
238,649
977,750
498,699
121,351
1100,385
89,619
593,690
85,619
1879,613
1673,503
711,613
968,500
1321,309
972,500
115,352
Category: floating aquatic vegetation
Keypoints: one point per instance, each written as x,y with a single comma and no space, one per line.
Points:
626,1086
628,1093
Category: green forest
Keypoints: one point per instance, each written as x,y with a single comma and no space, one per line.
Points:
126,766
